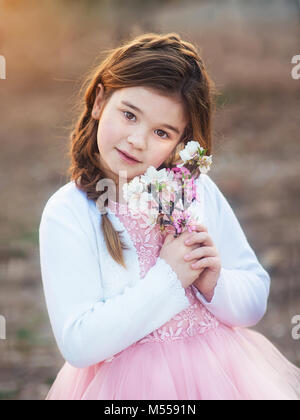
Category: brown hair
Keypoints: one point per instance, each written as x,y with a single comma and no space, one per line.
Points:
161,61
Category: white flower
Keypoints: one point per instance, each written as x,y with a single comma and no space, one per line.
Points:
190,150
144,201
205,163
139,203
185,156
133,205
152,175
170,177
133,189
152,216
168,191
149,214
180,204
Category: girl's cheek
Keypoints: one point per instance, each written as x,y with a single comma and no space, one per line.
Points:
159,155
107,133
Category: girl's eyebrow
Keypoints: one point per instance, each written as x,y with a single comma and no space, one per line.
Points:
170,127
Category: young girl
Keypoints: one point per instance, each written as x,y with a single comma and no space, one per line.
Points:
130,314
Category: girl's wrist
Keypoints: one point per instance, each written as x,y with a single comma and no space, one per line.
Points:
207,294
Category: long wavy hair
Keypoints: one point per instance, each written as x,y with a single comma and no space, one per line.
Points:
164,62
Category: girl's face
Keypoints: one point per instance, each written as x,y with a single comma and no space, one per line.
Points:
138,121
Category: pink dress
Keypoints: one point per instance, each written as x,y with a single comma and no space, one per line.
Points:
191,357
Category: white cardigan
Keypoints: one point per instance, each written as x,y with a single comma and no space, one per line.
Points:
98,308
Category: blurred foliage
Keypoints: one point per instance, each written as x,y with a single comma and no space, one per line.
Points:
128,15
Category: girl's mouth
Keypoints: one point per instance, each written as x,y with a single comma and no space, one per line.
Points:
126,158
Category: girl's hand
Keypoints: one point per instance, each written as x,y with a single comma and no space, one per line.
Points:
173,251
205,257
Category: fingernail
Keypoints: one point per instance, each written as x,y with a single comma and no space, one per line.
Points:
187,242
187,256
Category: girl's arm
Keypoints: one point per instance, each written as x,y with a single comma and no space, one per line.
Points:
89,329
240,297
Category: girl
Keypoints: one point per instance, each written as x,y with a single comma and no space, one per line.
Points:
131,315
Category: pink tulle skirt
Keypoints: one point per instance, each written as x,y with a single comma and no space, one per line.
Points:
223,364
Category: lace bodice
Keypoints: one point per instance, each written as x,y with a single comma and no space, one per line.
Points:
195,319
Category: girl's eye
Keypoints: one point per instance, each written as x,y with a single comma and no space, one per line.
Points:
127,112
163,132
130,119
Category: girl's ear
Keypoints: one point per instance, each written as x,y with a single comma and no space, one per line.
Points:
98,101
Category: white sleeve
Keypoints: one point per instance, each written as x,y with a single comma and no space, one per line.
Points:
89,329
240,297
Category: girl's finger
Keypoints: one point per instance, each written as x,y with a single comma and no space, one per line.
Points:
200,228
209,262
201,252
199,237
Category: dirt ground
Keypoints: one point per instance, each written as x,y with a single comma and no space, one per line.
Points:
255,164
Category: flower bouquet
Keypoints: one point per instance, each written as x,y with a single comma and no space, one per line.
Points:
168,196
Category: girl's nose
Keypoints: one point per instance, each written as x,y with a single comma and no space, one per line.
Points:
137,141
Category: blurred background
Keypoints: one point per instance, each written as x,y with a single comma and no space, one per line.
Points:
49,46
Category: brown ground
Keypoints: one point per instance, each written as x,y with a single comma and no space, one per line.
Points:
255,164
